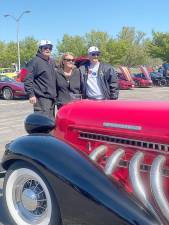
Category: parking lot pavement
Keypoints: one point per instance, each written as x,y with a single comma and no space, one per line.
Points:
13,113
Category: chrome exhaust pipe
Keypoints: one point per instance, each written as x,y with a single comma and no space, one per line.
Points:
157,185
137,184
98,152
135,177
113,161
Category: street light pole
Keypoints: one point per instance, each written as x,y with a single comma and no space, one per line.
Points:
17,20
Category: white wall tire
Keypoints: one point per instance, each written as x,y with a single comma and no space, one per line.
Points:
28,197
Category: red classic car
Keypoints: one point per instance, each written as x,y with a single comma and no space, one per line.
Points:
107,163
9,88
124,78
143,78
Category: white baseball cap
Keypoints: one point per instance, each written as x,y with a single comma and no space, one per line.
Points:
93,49
45,42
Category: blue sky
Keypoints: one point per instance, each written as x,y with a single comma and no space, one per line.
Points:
52,19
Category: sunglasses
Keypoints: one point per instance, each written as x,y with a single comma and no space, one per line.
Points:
69,60
47,47
95,54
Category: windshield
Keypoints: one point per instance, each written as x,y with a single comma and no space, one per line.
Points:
6,79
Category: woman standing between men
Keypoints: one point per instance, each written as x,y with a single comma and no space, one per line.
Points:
68,80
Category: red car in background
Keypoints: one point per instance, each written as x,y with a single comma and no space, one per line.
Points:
10,88
82,60
124,78
142,79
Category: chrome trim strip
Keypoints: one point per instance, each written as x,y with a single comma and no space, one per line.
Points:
113,161
125,142
122,126
98,152
157,185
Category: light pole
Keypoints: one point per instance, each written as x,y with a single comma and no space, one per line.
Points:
17,19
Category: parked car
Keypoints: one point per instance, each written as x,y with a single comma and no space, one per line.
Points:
158,79
140,80
9,72
142,77
105,164
125,80
9,88
124,84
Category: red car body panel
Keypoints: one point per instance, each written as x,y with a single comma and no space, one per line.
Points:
16,87
124,84
133,126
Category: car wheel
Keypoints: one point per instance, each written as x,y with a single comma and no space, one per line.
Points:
7,93
28,198
163,83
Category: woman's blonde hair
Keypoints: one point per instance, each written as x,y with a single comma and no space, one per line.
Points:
63,57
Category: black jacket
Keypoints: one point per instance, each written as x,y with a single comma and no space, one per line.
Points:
41,78
69,88
107,80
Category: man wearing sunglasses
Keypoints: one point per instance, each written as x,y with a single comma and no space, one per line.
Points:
99,79
40,82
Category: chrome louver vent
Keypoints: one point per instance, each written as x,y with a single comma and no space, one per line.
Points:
162,148
134,166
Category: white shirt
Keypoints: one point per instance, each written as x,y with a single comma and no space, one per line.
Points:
93,89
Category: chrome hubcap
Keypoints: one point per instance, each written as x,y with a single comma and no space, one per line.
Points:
7,93
30,200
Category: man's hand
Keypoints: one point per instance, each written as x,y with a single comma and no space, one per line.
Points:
33,100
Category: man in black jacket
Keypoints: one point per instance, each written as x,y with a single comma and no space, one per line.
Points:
40,82
99,79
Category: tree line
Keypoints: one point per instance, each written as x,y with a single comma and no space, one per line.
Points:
130,47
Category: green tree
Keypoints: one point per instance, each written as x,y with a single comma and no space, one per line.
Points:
9,54
135,53
99,39
28,49
159,46
75,44
2,47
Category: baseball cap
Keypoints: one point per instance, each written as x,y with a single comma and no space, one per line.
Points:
44,43
93,49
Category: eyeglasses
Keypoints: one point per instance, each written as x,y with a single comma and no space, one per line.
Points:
69,60
95,54
47,47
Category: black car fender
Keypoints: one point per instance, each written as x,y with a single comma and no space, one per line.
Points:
81,187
